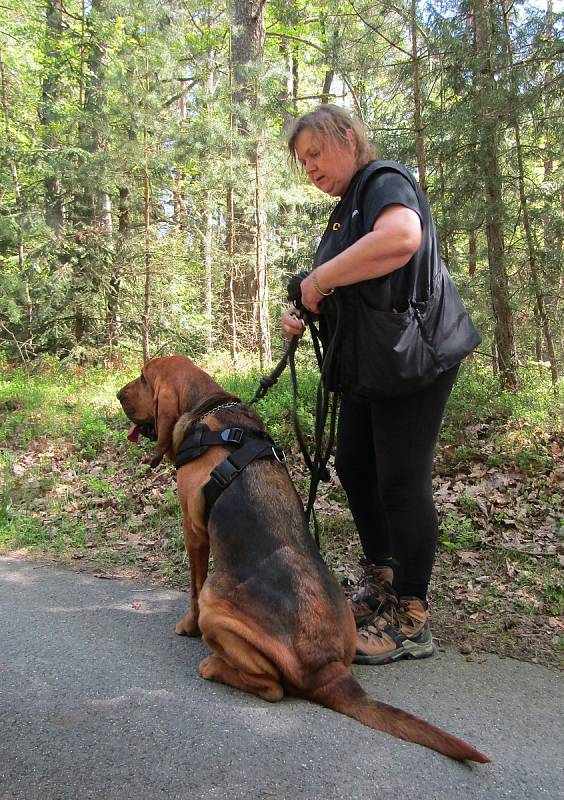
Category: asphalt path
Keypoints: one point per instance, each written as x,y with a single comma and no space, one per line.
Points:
100,699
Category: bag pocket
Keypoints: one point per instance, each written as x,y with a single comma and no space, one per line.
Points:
395,355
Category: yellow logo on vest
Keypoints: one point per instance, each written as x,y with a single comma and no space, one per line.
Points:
336,226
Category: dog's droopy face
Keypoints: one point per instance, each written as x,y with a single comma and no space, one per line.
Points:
154,404
137,400
167,387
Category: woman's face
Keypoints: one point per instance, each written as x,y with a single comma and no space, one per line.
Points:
329,165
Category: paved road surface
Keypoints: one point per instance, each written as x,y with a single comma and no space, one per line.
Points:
99,699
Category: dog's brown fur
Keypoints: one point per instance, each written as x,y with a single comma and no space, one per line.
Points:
274,617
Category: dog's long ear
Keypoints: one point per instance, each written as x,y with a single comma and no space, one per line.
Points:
178,385
167,411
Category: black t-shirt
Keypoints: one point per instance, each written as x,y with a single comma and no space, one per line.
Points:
355,215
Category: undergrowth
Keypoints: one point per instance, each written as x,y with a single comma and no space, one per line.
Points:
73,487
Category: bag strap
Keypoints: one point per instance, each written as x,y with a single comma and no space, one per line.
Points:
428,224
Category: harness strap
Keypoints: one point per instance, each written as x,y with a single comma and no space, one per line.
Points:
199,437
226,472
246,445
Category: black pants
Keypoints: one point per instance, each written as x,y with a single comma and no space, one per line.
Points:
384,460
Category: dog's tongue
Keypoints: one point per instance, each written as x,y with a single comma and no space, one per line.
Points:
133,433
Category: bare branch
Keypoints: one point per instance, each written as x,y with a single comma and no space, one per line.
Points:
379,32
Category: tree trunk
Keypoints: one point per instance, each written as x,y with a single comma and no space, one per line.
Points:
179,215
444,231
488,136
261,262
18,204
114,286
148,252
230,243
417,115
548,163
233,339
295,77
541,314
247,56
208,284
51,91
472,252
13,167
327,81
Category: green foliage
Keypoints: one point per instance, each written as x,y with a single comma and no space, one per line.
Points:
23,531
477,396
276,407
92,433
102,104
457,532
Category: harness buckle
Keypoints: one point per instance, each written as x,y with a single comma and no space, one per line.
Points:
232,435
224,473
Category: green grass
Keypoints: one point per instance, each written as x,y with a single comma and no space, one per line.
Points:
477,396
458,532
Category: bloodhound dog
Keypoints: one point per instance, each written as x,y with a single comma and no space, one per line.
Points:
272,614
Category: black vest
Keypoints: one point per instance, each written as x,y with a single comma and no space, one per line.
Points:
396,333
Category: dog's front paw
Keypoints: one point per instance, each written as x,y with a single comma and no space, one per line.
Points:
188,626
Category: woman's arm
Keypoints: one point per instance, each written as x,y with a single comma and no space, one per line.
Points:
393,240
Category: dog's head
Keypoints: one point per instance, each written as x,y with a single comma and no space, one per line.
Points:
167,387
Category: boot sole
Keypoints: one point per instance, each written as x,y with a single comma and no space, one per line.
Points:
408,650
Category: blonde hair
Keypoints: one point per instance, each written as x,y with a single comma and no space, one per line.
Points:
332,123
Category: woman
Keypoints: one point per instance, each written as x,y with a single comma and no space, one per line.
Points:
379,252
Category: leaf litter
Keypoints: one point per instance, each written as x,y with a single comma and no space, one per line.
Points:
497,581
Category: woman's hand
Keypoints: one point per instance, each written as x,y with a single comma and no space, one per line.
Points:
313,291
292,324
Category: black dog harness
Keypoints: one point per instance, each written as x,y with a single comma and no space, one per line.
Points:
246,444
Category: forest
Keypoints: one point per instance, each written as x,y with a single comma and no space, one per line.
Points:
147,206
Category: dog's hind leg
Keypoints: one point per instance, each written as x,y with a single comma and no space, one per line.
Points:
236,662
214,668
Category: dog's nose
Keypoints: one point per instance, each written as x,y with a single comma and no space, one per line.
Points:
119,394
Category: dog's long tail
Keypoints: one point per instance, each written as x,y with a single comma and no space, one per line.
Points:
345,695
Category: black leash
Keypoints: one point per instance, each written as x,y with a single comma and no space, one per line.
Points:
268,381
326,400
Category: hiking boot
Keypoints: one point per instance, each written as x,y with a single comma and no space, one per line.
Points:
408,636
374,600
